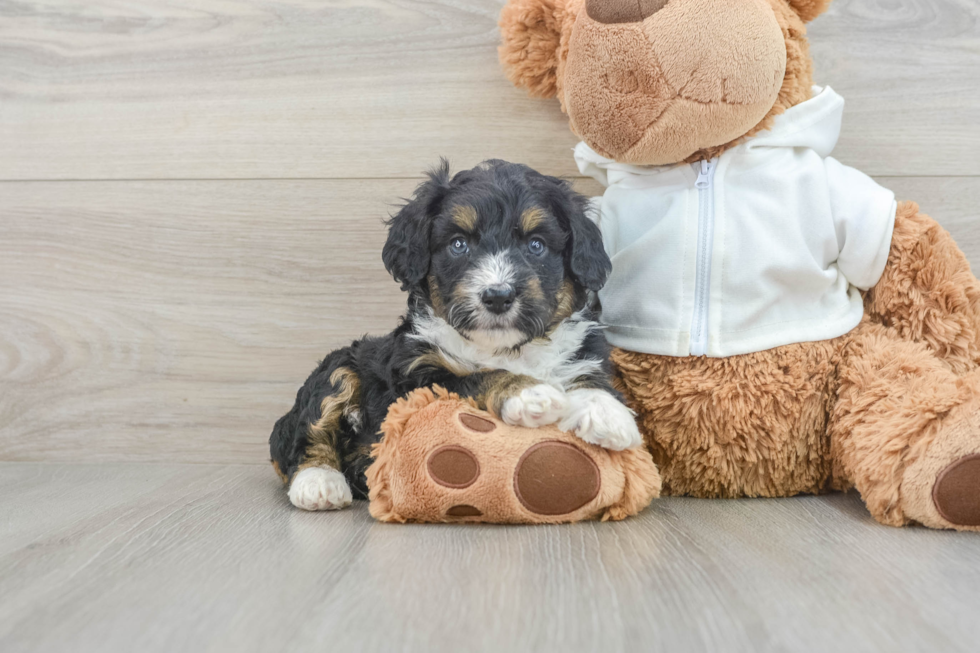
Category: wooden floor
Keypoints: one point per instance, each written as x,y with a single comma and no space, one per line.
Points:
191,205
160,557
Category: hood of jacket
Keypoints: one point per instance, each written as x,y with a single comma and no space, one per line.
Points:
814,124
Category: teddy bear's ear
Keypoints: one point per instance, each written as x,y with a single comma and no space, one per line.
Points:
530,32
809,9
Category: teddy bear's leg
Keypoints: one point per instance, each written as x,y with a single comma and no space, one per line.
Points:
905,431
927,292
748,425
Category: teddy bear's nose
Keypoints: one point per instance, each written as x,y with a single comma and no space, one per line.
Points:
622,11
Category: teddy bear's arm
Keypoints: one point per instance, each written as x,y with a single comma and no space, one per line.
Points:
927,291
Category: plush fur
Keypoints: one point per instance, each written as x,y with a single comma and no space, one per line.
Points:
891,408
498,262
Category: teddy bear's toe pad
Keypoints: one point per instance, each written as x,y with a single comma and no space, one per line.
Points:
957,492
476,423
464,510
454,467
555,478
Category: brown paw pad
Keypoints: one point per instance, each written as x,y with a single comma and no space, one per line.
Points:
453,466
476,423
555,478
464,510
957,492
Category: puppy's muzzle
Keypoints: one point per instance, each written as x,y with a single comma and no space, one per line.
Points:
498,299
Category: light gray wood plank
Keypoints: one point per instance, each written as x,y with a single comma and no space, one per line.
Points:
174,321
953,201
123,557
908,70
245,89
379,88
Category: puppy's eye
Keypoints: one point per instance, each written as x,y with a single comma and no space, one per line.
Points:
459,246
536,246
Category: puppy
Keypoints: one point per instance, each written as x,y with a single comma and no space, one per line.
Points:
498,262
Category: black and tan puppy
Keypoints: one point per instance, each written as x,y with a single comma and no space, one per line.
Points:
498,262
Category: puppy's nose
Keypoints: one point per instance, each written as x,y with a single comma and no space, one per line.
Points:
622,11
498,299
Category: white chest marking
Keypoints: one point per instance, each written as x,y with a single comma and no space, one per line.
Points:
550,361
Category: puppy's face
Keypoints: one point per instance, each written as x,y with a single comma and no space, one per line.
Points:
500,252
497,271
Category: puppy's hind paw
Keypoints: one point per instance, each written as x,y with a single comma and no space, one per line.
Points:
599,418
319,488
535,406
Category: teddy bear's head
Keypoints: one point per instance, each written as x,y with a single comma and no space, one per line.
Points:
656,82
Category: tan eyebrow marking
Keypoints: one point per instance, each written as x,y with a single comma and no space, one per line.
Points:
533,290
465,217
531,219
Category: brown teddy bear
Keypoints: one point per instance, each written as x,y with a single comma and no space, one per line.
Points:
781,324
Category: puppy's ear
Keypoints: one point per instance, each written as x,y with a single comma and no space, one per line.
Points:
588,261
406,252
809,9
584,254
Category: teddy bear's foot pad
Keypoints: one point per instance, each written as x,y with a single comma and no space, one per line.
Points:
552,477
957,492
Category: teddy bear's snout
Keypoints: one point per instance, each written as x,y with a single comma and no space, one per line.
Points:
622,11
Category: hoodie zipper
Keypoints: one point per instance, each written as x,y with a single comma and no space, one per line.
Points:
702,280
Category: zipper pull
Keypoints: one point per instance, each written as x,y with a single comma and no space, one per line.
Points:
704,176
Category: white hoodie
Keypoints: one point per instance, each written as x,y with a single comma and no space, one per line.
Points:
764,246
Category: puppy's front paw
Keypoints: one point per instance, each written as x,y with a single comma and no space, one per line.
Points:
599,418
319,488
535,406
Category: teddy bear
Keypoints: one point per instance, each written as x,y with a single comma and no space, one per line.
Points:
780,323
442,459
